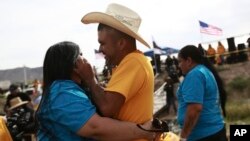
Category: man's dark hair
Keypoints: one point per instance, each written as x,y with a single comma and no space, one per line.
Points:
119,34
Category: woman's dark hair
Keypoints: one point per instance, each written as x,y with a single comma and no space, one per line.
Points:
58,64
194,53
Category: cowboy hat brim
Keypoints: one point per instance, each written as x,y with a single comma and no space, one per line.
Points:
17,105
99,17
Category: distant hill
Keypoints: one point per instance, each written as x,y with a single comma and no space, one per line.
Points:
17,75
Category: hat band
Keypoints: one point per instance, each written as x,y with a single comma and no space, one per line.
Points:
132,23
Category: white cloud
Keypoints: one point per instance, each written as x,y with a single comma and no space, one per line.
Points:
29,27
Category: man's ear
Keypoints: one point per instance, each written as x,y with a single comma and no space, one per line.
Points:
122,43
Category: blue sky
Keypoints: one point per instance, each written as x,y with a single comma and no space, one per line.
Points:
29,27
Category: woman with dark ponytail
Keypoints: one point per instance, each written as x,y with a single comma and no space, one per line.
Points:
199,112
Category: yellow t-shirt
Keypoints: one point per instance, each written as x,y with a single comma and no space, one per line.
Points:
4,132
211,51
220,49
134,79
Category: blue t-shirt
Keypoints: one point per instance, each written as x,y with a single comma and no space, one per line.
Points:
199,86
66,109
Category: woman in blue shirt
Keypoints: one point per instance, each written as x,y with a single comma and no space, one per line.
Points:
66,112
199,113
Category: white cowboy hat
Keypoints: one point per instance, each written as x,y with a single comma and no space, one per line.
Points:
16,102
120,18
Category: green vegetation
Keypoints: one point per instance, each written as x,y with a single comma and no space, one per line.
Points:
238,103
239,84
238,111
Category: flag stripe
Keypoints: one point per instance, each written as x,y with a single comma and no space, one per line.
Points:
209,29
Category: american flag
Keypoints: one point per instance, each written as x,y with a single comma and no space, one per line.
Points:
209,29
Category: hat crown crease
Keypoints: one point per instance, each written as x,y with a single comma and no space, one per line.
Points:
132,21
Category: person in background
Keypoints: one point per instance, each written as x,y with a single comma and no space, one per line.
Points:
211,53
248,42
175,62
170,98
168,63
20,120
202,50
220,51
128,96
199,113
15,92
36,94
66,112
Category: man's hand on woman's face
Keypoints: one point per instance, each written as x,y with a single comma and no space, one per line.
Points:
84,70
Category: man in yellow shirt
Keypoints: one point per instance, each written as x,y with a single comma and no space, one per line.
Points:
128,95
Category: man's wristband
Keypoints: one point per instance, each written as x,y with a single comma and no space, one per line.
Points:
183,139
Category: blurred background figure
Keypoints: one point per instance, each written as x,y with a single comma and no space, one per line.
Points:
36,95
202,50
170,97
15,92
248,42
168,63
20,120
211,53
220,50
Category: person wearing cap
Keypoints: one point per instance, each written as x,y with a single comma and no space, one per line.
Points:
128,96
65,112
14,92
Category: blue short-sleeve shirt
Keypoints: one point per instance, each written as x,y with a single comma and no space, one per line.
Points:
199,86
65,111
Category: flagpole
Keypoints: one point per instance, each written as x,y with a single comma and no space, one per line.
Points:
201,37
156,70
25,75
154,58
155,62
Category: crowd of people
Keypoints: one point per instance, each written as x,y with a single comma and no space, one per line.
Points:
220,55
73,105
19,108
